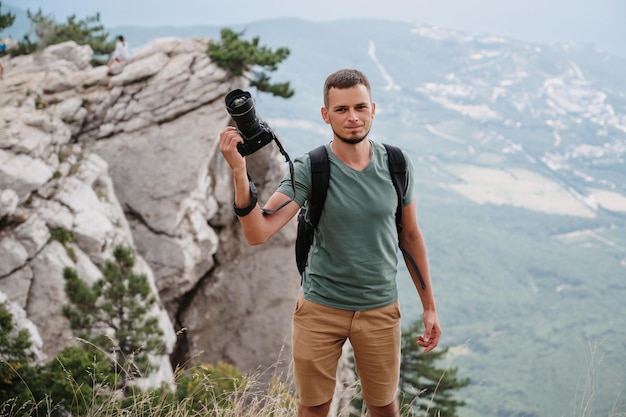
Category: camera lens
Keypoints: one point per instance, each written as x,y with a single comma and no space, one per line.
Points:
239,101
240,105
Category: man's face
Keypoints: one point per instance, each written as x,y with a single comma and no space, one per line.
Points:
350,112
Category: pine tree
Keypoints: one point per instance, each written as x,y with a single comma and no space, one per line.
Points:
36,389
424,389
73,383
14,346
114,313
240,57
6,19
47,31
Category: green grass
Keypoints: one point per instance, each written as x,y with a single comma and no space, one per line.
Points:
222,391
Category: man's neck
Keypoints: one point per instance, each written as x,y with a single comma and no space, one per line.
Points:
355,155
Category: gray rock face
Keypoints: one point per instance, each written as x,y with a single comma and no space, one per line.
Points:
129,155
50,186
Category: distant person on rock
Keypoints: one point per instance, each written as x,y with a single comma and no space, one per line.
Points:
120,54
3,48
348,286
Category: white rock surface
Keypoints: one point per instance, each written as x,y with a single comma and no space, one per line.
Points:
129,155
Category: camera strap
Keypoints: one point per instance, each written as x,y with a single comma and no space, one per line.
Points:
291,172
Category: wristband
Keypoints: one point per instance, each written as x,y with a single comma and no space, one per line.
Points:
240,212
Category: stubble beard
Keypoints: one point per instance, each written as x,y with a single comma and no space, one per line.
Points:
351,141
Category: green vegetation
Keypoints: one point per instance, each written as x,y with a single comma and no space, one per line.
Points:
240,57
426,390
88,31
423,389
6,19
62,235
77,380
64,383
65,237
115,313
202,391
45,31
521,304
13,356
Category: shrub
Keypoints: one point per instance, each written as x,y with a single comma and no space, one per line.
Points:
240,57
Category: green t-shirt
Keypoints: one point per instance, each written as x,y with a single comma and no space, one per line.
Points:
353,260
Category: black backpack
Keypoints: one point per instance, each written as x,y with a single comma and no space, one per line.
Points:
320,172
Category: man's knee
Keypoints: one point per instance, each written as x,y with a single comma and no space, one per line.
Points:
314,411
389,410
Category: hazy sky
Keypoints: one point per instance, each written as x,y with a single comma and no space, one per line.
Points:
600,22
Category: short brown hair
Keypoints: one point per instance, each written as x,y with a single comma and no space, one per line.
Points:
345,78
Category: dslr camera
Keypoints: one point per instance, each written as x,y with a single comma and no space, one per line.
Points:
255,133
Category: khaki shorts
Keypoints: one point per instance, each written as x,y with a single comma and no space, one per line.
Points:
319,333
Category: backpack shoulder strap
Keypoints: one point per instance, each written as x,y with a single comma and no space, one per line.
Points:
320,174
397,170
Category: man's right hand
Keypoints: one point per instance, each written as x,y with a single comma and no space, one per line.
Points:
229,139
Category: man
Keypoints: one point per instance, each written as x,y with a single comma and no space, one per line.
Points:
348,288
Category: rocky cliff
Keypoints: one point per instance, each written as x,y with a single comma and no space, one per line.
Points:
129,155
